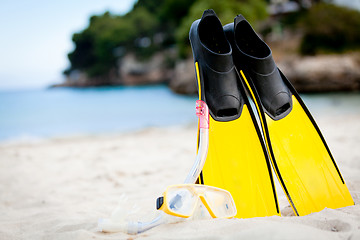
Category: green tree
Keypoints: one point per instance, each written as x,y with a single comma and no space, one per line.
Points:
94,46
330,28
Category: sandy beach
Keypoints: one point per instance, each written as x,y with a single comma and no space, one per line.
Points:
59,188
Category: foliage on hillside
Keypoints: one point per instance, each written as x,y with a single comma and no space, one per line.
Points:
150,26
330,28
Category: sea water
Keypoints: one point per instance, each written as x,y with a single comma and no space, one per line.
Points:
61,112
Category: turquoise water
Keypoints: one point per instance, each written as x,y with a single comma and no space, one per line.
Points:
64,112
333,104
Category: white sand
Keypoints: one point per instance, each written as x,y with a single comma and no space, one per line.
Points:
59,188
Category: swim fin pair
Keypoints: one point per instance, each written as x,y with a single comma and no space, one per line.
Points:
234,66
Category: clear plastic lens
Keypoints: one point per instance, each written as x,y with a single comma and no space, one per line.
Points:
220,203
181,200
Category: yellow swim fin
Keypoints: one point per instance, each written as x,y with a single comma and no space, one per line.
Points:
237,160
300,156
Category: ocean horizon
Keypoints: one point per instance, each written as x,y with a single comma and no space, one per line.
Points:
60,112
32,114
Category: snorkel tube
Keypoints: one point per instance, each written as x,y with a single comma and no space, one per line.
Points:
109,225
120,225
202,111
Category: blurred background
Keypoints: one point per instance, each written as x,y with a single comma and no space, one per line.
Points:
89,67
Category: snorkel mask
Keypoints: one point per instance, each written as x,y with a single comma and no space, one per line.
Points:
184,199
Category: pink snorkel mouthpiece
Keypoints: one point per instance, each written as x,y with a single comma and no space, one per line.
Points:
202,111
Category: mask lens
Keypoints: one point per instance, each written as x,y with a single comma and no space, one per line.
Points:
220,202
181,201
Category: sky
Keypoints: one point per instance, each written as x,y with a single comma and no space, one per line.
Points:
35,37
